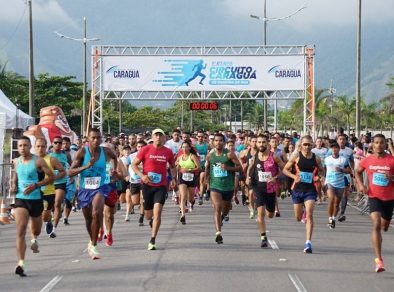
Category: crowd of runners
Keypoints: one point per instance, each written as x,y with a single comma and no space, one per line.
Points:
191,169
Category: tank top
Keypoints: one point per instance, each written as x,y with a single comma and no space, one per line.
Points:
307,169
93,177
202,151
262,172
27,174
188,163
48,189
62,157
222,180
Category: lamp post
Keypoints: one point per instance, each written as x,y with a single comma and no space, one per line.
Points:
31,66
264,19
358,71
84,40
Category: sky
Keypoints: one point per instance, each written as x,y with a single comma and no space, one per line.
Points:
324,23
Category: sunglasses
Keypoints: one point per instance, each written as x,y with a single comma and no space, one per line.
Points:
200,136
57,142
306,144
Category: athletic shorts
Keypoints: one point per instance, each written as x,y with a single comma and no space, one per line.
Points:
385,208
61,187
265,199
337,191
189,184
48,201
70,193
135,189
112,198
347,182
34,207
226,195
153,195
86,196
301,197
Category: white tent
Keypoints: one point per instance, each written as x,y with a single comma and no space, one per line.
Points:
14,118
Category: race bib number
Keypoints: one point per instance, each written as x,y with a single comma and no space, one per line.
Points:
306,177
264,176
219,172
332,175
136,176
202,157
379,179
188,176
92,183
154,177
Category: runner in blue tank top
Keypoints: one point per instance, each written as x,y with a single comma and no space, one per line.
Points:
90,163
202,148
27,180
60,180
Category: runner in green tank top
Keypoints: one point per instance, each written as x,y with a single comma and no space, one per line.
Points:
220,168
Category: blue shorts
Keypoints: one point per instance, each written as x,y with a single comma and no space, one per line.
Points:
301,197
86,196
70,193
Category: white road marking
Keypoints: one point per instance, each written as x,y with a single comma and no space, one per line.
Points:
48,287
273,244
297,283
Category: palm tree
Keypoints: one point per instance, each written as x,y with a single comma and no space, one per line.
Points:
345,107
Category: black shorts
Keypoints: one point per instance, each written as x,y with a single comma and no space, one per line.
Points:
135,189
153,195
34,207
385,208
265,199
49,201
61,187
190,184
226,195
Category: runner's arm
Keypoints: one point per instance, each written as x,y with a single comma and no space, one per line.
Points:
288,166
59,167
42,166
359,179
76,167
14,178
234,159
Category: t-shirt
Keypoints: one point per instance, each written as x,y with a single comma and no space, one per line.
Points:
154,161
174,146
321,153
133,177
379,186
334,177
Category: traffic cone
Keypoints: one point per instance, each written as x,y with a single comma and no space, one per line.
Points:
4,213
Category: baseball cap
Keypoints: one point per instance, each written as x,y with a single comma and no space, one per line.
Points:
158,131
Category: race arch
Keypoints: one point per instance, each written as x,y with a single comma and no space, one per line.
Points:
202,73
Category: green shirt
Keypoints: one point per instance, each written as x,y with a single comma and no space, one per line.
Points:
222,180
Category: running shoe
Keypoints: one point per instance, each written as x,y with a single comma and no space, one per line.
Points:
308,247
379,266
118,207
20,271
34,246
342,218
109,240
53,234
132,211
243,200
206,196
183,220
331,223
251,214
100,235
93,252
65,221
48,227
277,214
226,218
192,205
151,246
303,219
200,201
264,241
219,238
141,221
236,200
127,218
74,209
283,195
151,223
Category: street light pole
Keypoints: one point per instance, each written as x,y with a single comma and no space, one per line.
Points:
31,66
358,71
84,41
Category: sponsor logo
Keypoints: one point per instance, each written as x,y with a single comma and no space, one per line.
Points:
280,72
123,73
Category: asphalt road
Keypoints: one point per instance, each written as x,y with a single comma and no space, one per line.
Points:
188,259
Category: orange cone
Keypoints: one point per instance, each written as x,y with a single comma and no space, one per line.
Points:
4,213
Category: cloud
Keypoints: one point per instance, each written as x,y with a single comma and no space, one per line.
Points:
44,11
318,12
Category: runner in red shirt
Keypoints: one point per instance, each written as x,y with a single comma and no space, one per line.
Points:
154,179
380,172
